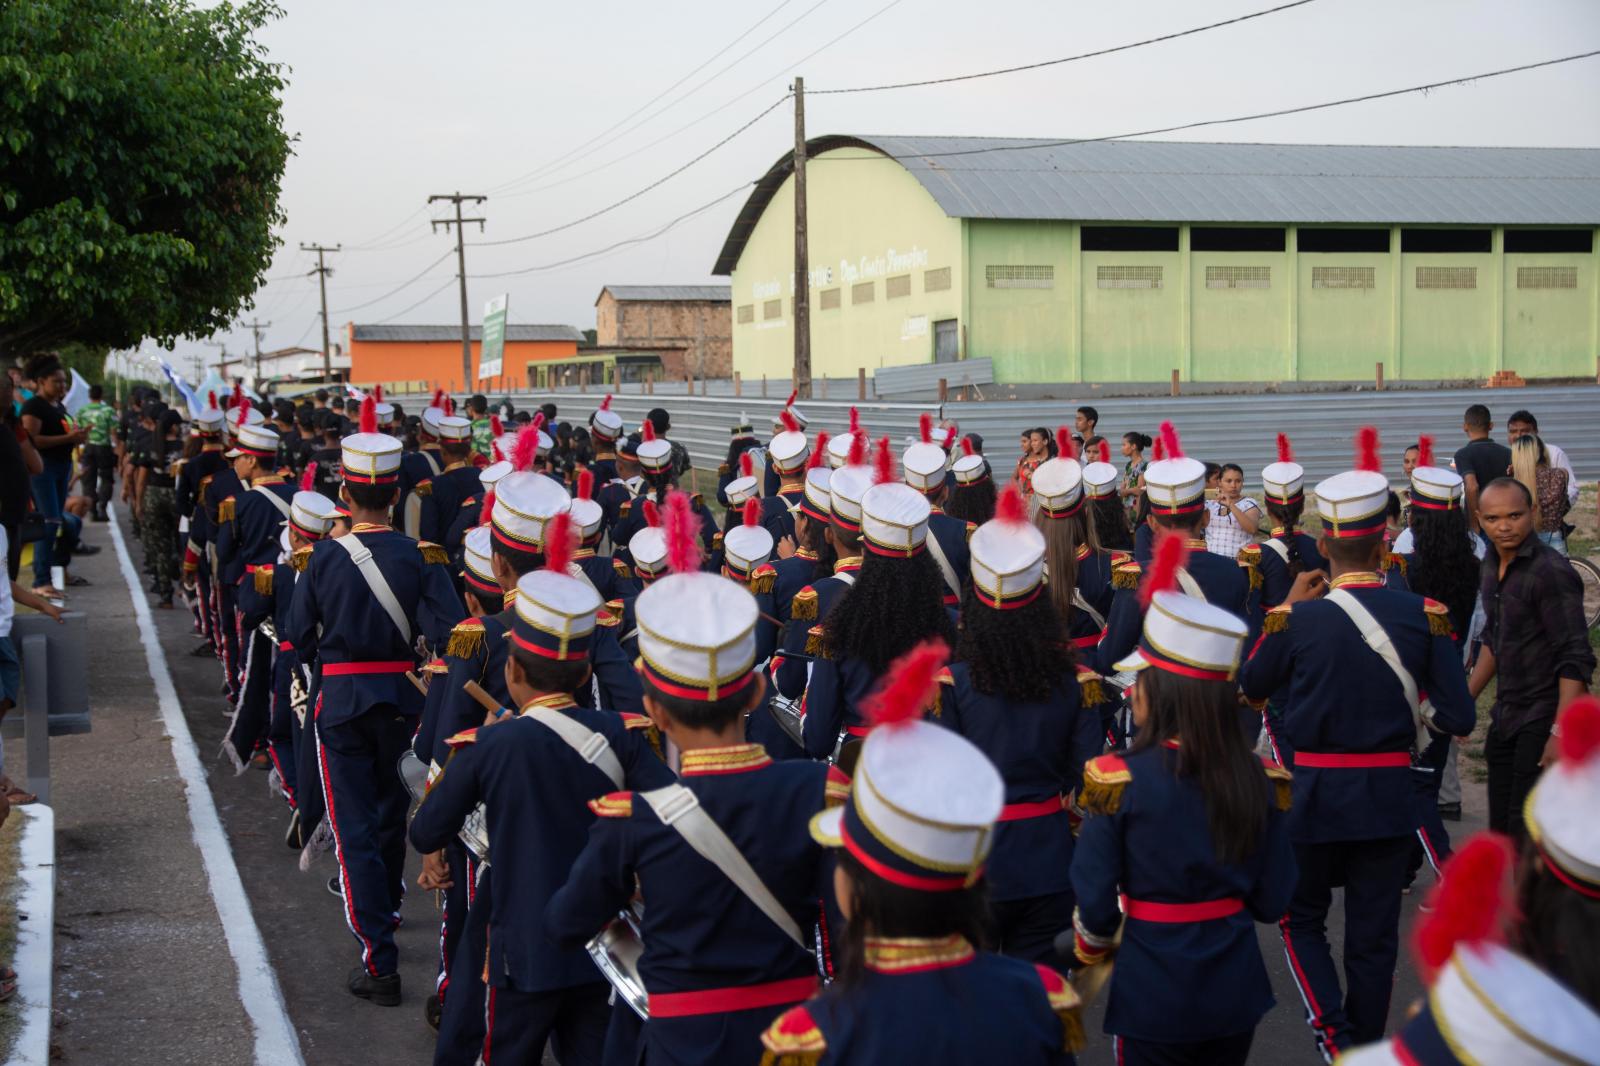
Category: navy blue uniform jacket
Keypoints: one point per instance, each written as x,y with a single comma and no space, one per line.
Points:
1225,582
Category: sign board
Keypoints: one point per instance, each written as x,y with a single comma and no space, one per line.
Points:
491,355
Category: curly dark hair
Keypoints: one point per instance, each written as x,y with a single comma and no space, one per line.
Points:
1017,653
737,448
1554,921
972,503
1443,566
895,604
1110,520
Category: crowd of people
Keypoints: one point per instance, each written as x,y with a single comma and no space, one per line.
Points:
882,755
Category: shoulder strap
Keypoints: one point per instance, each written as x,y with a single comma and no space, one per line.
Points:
433,464
277,501
1087,608
680,809
1191,586
592,747
1279,548
846,576
1377,639
951,581
361,555
574,570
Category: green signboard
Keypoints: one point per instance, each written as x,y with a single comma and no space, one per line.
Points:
491,358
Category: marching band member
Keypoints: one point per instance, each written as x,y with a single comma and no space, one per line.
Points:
1188,833
1078,571
924,466
972,497
469,512
1108,517
605,429
418,466
789,419
786,456
195,478
741,443
1281,558
813,555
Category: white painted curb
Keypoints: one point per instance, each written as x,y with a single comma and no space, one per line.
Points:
36,911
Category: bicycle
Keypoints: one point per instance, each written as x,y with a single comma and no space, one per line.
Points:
1589,574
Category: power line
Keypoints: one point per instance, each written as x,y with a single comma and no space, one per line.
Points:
635,195
419,303
1066,59
403,285
380,238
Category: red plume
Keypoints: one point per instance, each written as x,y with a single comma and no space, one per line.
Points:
683,534
1580,730
605,404
449,405
1169,440
1285,453
537,421
858,449
790,424
1105,452
1171,554
647,431
910,687
882,463
586,484
1367,449
1470,902
747,465
243,407
819,451
855,420
238,394
925,427
652,514
966,446
369,416
485,515
793,393
438,399
494,450
1424,450
560,540
377,393
1065,445
1160,450
496,427
308,480
526,449
1009,508
752,512
949,437
211,400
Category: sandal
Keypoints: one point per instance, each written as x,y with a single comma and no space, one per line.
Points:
76,582
18,798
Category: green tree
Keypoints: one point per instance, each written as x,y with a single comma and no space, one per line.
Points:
142,150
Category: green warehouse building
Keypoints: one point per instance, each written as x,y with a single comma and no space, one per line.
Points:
1122,261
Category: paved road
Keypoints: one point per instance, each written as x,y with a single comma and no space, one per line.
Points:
145,975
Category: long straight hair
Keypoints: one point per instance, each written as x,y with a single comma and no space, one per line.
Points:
1527,456
1062,537
1203,716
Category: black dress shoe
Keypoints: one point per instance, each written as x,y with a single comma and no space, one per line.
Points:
384,991
335,888
1450,812
203,650
81,548
432,1011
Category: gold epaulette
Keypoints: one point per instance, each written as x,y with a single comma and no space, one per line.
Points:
972,527
1091,693
263,580
1120,558
225,510
433,553
466,639
793,1040
1125,576
1249,557
1438,618
423,488
762,579
622,569
697,500
1066,1004
470,501
814,643
804,605
1398,562
176,469
603,618
945,678
462,739
722,470
652,732
614,608
716,541
836,790
624,508
436,666
300,558
1277,620
1282,784
1104,778
613,805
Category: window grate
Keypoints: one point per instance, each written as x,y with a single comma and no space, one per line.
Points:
772,309
896,287
1343,278
936,280
747,313
828,299
1128,277
1547,277
1232,277
863,293
1447,277
1020,277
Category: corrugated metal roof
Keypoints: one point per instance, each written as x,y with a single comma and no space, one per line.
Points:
661,293
1167,181
453,333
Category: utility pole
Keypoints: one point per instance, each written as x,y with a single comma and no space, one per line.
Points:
802,253
459,223
322,271
256,328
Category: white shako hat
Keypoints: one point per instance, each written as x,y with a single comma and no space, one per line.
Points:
453,427
1100,477
894,519
249,412
790,449
385,413
1182,634
648,549
969,467
490,475
477,554
1434,488
742,428
839,450
817,502
1356,502
587,515
1283,482
845,489
799,416
748,544
432,413
260,441
923,464
1058,487
654,454
311,514
605,424
923,799
1174,483
1007,555
745,486
1559,812
369,457
555,612
697,636
524,503
209,420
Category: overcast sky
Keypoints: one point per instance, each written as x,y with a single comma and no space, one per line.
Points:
391,102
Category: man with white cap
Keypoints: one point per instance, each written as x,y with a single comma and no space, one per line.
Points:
724,950
924,468
366,598
1358,658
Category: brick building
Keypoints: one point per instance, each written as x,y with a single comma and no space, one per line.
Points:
690,326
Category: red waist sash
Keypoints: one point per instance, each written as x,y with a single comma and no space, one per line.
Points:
1144,910
1352,760
722,1000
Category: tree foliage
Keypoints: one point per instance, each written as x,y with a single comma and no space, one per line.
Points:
142,150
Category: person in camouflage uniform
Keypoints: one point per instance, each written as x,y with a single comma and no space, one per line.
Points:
158,525
482,428
99,454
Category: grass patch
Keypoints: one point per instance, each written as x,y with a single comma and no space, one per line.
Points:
10,860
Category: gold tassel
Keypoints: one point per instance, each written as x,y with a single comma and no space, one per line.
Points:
1104,778
972,527
622,570
466,639
814,642
1072,1035
1439,622
1398,562
1090,692
423,488
804,605
1277,621
263,576
433,553
722,470
300,558
716,542
1255,577
1125,577
225,510
791,1058
625,509
1282,787
762,580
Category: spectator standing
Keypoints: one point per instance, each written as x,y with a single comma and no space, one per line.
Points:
1083,425
1530,464
1133,446
19,461
1235,517
1480,460
1535,642
45,419
1523,424
99,420
1036,450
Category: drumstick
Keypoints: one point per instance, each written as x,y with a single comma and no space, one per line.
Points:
486,701
417,681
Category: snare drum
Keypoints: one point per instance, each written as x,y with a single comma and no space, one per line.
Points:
475,834
414,773
786,713
616,952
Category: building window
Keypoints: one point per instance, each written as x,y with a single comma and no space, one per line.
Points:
1129,238
1020,277
1446,240
1229,277
1127,277
1447,277
1549,240
1547,277
863,293
747,313
896,287
828,299
771,309
1341,239
936,280
1343,278
1236,238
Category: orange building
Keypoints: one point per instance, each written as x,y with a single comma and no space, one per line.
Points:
413,358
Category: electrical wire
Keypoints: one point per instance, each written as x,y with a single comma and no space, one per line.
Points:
363,246
404,285
1065,59
448,282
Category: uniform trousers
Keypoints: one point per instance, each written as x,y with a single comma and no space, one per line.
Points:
366,808
519,1024
1218,1051
253,707
226,618
1373,873
462,1021
1427,775
283,728
1027,928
